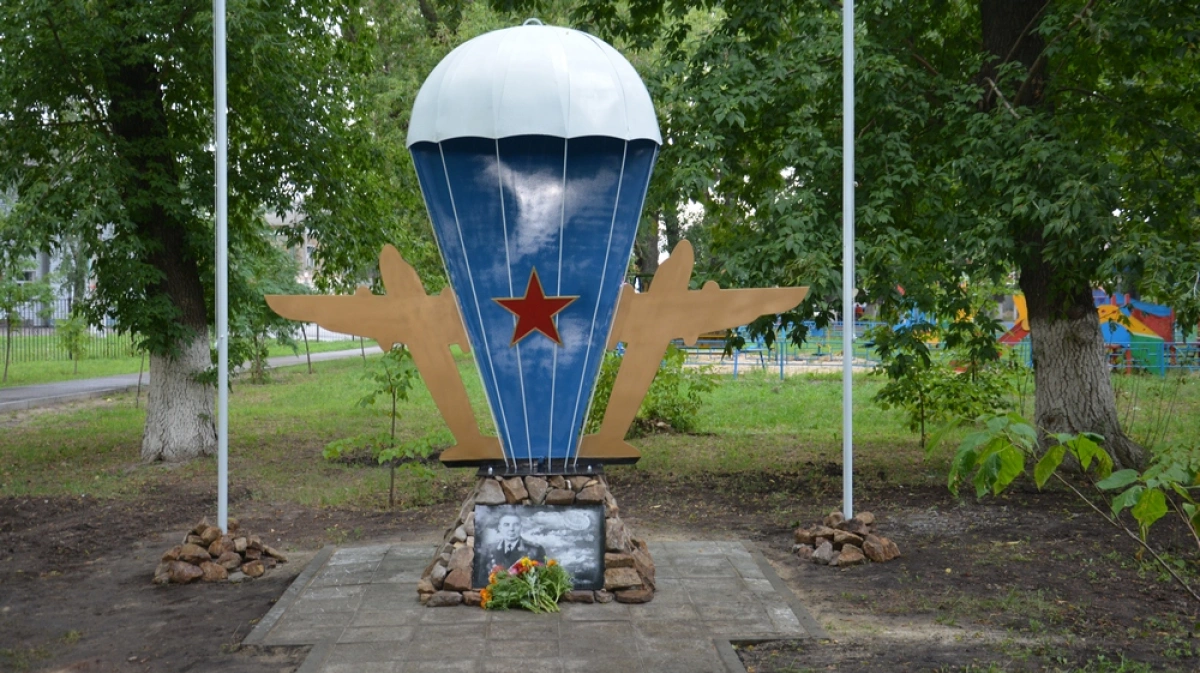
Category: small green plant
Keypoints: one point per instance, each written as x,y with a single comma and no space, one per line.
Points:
393,378
73,335
934,385
996,455
674,398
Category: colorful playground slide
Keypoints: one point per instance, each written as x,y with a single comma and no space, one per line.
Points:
1129,325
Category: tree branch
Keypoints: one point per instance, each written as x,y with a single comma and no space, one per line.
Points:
1041,59
1130,533
913,50
996,89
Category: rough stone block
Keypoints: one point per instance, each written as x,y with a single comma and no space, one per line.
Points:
560,496
850,556
195,554
461,559
621,578
443,599
593,494
213,572
617,560
615,537
579,597
457,580
635,595
490,493
843,539
514,490
537,487
824,553
182,572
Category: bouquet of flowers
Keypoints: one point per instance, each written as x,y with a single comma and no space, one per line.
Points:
527,584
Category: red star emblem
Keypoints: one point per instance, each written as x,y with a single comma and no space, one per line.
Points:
535,311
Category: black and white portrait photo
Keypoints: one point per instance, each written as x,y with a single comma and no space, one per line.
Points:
572,535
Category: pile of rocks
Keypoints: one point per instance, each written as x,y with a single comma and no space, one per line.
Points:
838,542
208,555
628,568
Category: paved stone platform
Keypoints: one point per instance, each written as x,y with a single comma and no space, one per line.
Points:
358,608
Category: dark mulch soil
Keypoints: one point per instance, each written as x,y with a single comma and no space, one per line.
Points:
1026,582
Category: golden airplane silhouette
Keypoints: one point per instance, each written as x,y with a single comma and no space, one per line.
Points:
426,324
649,321
646,323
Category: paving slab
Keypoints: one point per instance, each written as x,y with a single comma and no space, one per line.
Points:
358,609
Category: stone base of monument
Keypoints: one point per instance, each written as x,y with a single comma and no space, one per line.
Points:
628,567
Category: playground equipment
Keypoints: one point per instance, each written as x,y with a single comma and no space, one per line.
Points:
1139,334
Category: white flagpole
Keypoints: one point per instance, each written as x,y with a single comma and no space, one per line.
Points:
848,314
222,264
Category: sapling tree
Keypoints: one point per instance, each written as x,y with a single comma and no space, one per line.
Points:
72,334
393,378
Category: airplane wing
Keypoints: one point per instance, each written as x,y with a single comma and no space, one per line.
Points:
386,318
361,314
671,311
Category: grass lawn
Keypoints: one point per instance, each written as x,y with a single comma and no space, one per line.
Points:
756,424
51,371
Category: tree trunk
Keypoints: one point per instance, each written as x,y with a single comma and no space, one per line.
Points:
645,251
1072,385
179,409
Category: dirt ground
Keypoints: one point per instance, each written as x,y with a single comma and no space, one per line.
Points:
1028,582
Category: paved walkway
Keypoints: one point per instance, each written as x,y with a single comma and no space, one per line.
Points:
358,608
17,398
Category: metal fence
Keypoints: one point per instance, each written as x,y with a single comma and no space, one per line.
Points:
39,341
822,351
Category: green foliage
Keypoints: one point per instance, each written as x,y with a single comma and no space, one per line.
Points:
1171,480
674,398
998,454
73,334
1057,144
108,142
259,266
393,376
963,379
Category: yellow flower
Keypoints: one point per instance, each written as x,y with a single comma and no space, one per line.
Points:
485,597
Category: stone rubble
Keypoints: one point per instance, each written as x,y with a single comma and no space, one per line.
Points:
207,555
841,543
629,569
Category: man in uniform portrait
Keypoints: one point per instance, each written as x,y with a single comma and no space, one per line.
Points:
511,547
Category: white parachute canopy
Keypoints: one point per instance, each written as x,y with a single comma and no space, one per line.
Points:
533,80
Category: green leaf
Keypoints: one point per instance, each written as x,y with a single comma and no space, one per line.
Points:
1084,449
1025,434
1127,499
1118,480
1012,464
1151,506
1048,464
